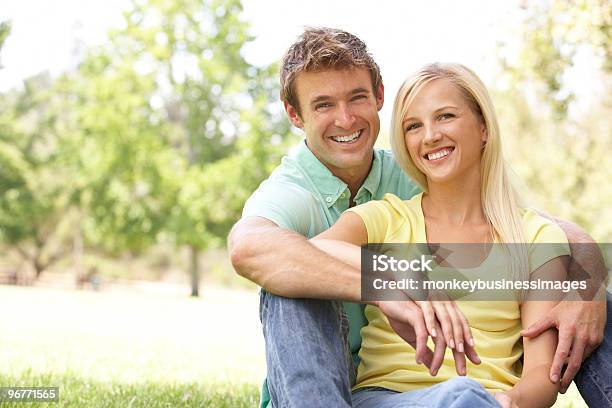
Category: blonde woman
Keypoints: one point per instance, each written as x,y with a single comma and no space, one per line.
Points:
445,136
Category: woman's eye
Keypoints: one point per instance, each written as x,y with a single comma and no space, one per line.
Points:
412,126
446,116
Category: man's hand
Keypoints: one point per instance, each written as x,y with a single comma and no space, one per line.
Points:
581,327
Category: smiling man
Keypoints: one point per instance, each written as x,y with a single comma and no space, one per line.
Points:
332,90
338,111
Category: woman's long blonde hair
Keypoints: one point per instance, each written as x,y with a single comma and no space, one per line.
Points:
501,202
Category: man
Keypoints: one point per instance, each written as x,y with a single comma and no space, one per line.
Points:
332,90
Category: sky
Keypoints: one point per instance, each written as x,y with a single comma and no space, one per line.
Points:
402,35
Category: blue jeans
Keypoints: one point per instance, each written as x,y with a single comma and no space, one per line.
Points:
594,380
307,354
459,392
309,361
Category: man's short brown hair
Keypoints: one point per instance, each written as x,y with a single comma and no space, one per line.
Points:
319,49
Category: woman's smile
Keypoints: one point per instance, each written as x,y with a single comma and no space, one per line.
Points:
439,155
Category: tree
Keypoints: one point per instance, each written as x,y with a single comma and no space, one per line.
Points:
169,107
34,200
5,30
567,169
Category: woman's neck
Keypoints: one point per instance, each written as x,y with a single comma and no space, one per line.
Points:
457,202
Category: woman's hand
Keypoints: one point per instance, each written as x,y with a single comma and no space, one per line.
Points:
441,311
406,319
505,400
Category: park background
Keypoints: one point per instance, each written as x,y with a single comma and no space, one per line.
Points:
132,132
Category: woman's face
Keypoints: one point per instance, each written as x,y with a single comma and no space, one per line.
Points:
443,135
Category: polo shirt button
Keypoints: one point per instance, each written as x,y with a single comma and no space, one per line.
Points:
328,199
342,195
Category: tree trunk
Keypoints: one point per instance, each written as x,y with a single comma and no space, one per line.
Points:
77,250
39,267
194,270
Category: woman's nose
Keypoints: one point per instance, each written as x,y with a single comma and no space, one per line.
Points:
432,135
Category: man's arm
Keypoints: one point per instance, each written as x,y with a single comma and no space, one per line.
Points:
286,264
580,323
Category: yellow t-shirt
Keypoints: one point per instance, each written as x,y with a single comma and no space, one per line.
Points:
388,361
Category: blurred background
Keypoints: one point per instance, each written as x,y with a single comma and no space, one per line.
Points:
132,132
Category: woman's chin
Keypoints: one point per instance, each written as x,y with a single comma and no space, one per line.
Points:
441,177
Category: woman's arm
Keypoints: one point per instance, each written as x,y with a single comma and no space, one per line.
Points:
343,241
535,388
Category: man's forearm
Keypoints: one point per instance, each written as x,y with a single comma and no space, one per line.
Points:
286,264
587,260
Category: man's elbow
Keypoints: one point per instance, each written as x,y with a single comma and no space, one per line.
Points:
239,254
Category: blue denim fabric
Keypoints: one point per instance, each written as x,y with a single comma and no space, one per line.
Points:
307,353
459,392
309,362
594,380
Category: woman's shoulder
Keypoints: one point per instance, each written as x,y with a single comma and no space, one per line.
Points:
393,205
539,229
407,208
385,217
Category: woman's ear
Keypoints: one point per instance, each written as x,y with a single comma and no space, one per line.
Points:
484,133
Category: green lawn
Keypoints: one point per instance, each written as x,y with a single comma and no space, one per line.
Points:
142,348
77,391
117,348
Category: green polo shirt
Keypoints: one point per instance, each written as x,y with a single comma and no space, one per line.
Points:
303,195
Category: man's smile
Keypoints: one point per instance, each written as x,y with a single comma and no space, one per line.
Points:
346,139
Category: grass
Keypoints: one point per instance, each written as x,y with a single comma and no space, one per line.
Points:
126,349
142,347
76,391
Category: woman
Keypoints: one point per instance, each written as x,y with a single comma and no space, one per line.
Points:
445,136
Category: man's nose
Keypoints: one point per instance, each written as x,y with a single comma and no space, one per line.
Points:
344,117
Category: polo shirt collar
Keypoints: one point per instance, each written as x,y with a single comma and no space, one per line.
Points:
330,186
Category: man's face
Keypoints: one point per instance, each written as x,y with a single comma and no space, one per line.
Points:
339,114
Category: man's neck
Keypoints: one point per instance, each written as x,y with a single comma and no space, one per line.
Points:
354,177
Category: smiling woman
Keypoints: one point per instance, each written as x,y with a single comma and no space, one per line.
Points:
446,137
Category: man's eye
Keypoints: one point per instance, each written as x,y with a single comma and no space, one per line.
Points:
358,97
322,105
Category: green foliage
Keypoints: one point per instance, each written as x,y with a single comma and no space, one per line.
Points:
554,33
163,114
557,146
34,196
160,109
120,160
159,135
5,30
